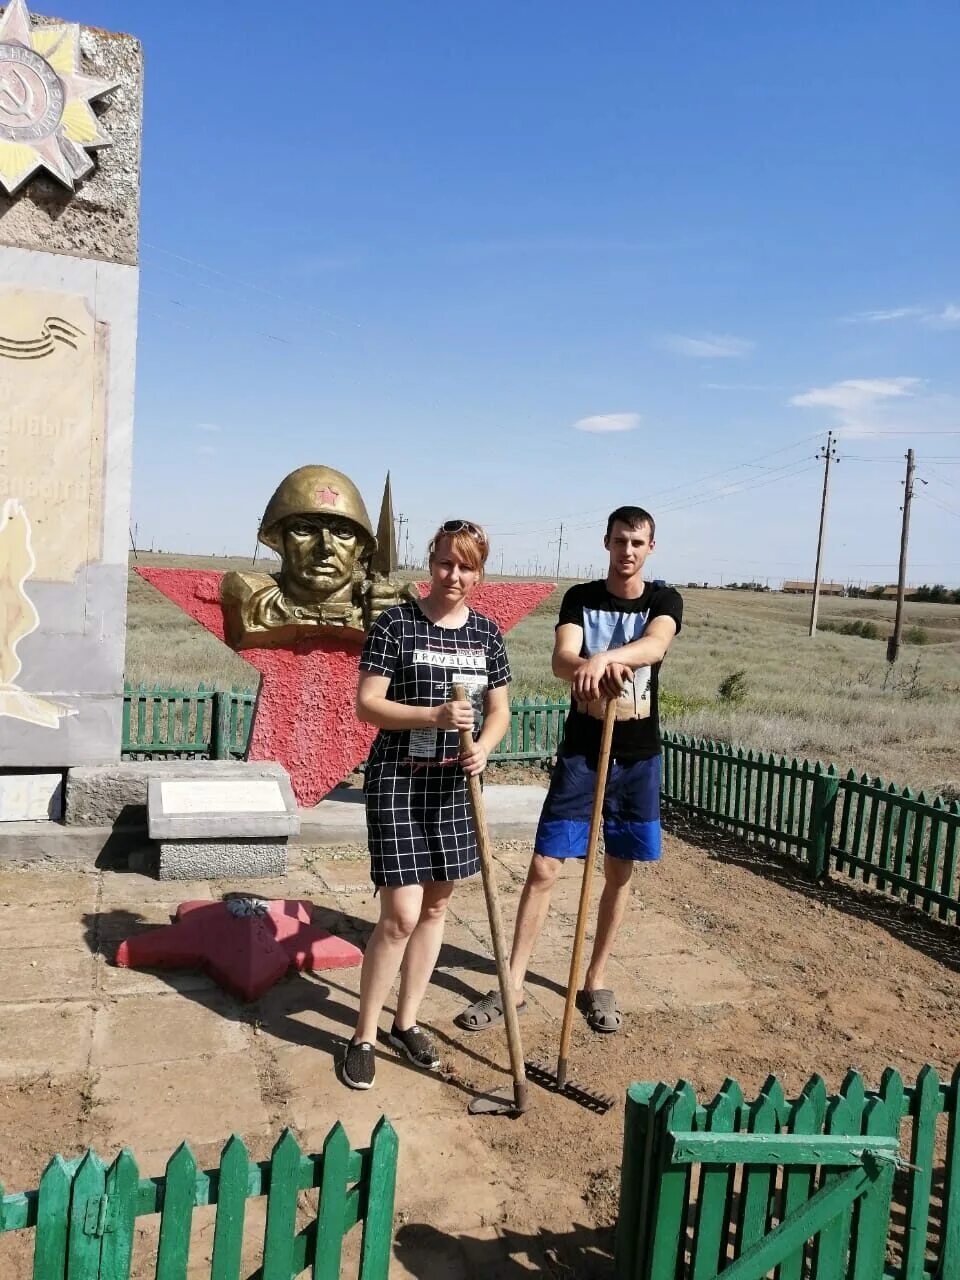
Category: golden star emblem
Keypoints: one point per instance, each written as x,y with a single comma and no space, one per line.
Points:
45,116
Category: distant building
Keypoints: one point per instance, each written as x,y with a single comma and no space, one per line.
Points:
806,588
888,592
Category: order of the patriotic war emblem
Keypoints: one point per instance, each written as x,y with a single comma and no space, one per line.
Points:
46,121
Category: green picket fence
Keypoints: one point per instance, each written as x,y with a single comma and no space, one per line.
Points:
204,723
84,1215
159,723
883,836
814,1187
536,730
871,831
900,843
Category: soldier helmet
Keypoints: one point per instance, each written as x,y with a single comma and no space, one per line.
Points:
315,491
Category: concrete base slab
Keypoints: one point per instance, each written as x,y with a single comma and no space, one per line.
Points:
164,1029
56,926
51,885
45,973
143,1101
102,795
51,1039
512,811
217,859
116,981
131,890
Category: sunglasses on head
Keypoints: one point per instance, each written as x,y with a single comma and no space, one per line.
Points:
458,526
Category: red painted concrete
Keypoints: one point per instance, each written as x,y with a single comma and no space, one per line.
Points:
305,717
244,954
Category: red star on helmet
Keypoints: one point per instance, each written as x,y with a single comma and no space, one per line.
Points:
328,497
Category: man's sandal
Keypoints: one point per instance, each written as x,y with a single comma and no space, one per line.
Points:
483,1013
600,1010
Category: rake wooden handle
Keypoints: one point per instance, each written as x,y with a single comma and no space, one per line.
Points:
500,953
573,982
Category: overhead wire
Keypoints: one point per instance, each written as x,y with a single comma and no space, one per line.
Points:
531,527
242,283
930,497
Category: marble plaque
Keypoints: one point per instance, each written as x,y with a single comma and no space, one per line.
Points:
30,797
222,797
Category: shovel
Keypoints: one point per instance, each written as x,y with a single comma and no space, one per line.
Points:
500,1102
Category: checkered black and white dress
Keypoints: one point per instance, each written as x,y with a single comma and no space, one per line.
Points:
419,825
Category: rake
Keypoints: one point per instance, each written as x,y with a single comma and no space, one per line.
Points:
557,1082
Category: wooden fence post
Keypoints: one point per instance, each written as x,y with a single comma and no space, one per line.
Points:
220,727
823,805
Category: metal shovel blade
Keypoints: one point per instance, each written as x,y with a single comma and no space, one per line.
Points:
498,1102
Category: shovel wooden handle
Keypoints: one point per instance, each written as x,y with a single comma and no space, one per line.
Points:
500,953
573,982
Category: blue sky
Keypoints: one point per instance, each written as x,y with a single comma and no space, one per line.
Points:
435,237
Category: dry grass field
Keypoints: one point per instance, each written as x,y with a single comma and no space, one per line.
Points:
833,698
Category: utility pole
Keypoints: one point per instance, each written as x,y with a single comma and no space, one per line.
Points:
402,520
893,644
829,454
501,562
560,545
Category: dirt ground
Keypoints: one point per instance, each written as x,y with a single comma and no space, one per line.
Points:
728,964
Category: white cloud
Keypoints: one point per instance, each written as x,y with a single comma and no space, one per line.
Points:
881,315
707,346
857,403
945,317
855,393
208,426
603,422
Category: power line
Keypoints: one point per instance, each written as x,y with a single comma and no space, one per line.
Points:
793,469
942,505
241,282
533,526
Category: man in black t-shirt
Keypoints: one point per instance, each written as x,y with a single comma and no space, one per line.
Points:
611,638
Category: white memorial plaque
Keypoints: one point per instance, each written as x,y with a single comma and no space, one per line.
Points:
262,796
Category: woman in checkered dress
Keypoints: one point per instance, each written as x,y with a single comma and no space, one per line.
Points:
419,827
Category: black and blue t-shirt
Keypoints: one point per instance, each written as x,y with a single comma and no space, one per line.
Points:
608,622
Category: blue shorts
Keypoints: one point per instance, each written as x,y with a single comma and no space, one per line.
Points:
631,810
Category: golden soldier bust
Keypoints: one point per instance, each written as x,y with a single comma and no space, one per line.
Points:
327,584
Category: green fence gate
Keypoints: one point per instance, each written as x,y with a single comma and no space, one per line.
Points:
84,1215
803,1189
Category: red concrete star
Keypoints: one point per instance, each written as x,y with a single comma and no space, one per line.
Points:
305,709
245,953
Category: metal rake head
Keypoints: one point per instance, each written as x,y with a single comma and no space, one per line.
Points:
599,1103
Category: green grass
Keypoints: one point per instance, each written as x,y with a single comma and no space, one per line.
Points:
832,698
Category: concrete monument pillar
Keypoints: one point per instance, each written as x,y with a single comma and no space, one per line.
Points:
70,116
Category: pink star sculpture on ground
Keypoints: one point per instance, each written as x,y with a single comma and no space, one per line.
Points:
305,710
246,945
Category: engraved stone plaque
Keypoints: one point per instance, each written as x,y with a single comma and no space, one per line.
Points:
222,797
